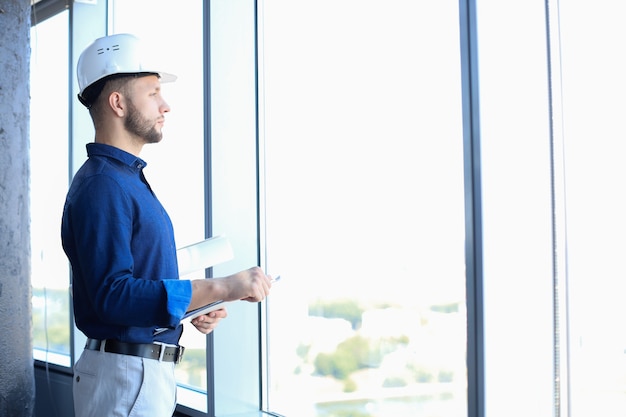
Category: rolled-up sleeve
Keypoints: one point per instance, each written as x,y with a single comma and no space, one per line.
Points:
178,299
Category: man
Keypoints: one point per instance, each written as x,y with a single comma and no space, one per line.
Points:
120,243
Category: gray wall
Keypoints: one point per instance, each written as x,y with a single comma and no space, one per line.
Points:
17,390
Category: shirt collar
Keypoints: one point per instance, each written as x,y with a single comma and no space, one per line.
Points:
100,149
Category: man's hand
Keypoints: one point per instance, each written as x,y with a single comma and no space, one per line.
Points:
208,322
249,285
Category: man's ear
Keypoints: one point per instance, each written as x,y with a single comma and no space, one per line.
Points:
117,103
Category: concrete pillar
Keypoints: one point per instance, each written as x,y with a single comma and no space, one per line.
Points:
17,383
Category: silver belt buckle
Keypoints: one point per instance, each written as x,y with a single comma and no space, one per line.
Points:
179,354
178,349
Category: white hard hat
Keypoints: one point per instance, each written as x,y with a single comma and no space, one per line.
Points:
115,54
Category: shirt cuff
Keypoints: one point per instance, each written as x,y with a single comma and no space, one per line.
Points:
178,298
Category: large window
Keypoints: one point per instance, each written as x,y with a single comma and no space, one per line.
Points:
329,141
364,209
49,180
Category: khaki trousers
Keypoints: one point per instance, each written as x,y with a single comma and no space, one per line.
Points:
112,385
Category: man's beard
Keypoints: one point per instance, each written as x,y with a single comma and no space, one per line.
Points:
138,125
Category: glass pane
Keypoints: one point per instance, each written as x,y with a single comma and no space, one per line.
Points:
517,242
364,208
593,114
49,182
176,165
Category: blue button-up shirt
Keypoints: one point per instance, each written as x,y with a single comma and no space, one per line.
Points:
120,243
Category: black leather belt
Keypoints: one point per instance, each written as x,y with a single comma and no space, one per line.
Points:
145,350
